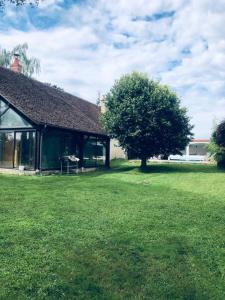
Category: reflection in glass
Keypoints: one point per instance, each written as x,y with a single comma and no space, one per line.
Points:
101,152
6,149
10,119
24,149
55,145
90,147
3,107
94,152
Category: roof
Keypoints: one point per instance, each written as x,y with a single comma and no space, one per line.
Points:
43,104
200,141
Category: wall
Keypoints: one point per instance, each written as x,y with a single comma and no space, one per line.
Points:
115,150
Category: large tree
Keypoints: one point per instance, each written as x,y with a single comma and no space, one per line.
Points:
146,117
18,2
30,65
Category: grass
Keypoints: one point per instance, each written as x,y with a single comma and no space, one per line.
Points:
119,234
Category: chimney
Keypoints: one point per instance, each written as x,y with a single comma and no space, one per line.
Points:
16,66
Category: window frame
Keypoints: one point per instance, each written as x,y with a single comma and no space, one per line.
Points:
21,115
14,145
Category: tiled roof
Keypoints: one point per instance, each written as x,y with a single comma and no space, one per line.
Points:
200,140
44,104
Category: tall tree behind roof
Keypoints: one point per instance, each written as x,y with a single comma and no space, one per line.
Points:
18,2
30,65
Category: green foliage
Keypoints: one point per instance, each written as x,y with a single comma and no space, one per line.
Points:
30,66
219,134
18,2
146,117
217,145
121,234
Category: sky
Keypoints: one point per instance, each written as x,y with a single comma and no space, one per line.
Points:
84,46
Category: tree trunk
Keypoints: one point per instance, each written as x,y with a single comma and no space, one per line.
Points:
143,162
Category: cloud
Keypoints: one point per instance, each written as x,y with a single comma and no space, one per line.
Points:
85,45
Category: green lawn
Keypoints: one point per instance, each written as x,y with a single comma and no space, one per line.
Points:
118,234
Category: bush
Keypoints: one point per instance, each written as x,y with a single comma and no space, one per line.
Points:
217,145
219,134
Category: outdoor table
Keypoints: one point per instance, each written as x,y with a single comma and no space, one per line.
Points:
69,160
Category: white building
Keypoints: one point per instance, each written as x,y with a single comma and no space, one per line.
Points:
195,151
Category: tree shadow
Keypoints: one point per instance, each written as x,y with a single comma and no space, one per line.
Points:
181,168
124,166
167,168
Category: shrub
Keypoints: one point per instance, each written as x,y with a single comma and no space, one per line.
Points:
217,145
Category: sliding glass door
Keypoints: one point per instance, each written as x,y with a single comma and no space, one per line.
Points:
6,149
24,151
17,148
94,152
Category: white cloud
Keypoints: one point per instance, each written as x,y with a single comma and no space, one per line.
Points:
43,4
92,45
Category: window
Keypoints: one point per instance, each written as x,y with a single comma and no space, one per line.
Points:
6,149
101,152
197,149
10,119
16,149
51,150
3,107
55,145
90,147
24,149
94,152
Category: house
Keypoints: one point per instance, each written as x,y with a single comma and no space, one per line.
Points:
196,150
40,125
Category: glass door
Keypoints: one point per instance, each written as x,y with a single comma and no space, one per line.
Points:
24,151
6,149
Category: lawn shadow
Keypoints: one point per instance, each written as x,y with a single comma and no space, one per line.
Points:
180,168
164,167
124,166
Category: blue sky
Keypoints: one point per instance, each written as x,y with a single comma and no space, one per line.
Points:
84,46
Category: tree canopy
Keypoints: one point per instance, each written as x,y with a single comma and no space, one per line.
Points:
30,65
219,134
217,145
146,117
18,2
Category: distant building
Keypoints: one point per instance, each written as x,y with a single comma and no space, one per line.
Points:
116,152
196,150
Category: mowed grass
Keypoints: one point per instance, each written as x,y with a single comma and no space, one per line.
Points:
118,234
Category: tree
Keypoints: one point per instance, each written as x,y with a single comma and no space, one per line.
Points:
146,117
18,2
219,134
30,65
54,86
217,145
